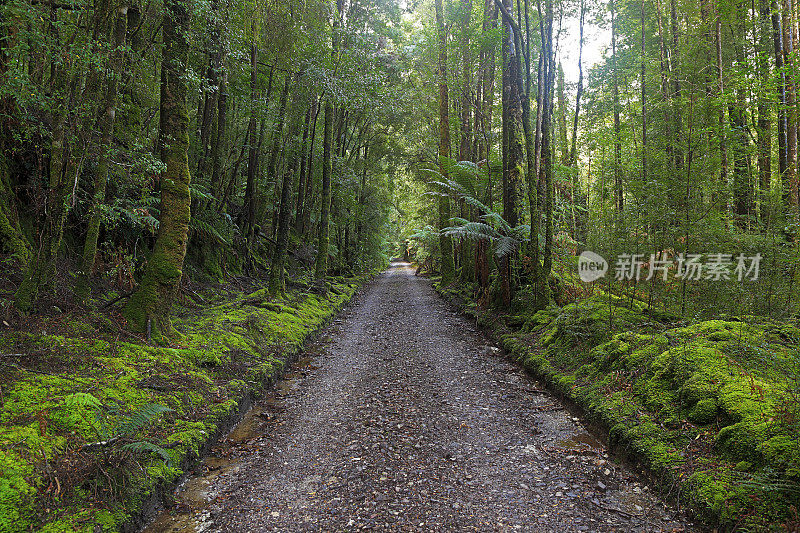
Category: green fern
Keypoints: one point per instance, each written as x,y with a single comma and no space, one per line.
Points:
82,399
144,447
493,228
206,229
139,419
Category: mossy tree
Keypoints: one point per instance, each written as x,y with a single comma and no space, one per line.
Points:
150,305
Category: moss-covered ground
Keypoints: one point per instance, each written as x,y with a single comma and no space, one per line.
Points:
711,408
74,462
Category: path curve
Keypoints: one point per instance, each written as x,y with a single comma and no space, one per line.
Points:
405,418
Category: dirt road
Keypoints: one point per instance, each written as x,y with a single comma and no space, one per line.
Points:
402,417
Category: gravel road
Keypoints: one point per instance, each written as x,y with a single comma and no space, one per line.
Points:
403,417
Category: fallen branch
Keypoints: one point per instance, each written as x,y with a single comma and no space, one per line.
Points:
118,298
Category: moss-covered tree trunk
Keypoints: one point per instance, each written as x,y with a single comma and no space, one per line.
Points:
101,176
275,284
153,299
321,263
323,234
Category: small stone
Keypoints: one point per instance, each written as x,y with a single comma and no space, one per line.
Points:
601,485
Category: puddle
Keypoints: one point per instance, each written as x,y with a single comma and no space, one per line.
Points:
580,442
192,497
189,515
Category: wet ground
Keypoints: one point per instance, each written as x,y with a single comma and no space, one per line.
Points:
403,417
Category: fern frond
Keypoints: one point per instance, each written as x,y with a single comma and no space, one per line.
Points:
198,192
498,220
82,399
477,204
144,446
140,419
472,230
505,246
204,228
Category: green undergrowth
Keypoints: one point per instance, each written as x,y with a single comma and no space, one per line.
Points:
712,407
55,477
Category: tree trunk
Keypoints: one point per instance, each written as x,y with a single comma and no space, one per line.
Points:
618,193
82,287
151,302
780,74
321,265
277,142
764,109
219,140
301,182
249,213
465,147
445,242
513,143
303,220
573,153
562,117
790,176
275,284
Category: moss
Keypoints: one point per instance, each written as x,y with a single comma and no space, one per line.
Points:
704,412
16,493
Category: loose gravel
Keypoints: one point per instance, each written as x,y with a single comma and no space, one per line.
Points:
403,417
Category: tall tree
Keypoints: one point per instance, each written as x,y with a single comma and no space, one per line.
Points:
323,239
445,242
618,192
150,305
104,160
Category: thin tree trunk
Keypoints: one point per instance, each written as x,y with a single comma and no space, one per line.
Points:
562,117
82,287
304,212
219,139
790,176
321,266
301,182
573,153
248,227
780,74
765,100
618,193
275,283
277,142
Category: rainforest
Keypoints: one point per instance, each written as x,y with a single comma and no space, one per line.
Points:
418,265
